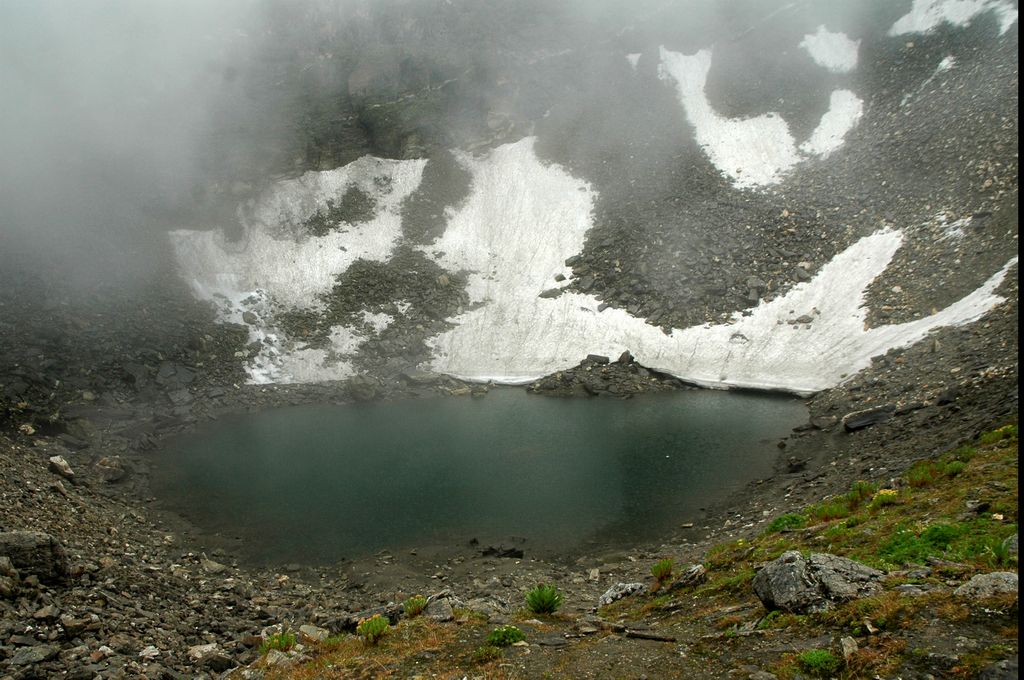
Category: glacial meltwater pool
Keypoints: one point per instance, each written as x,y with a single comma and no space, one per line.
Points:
314,484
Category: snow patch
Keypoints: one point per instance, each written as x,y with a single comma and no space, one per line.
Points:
377,320
947,64
833,51
277,265
756,151
752,152
523,218
844,110
927,15
633,59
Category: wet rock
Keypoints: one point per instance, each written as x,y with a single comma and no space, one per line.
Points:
619,591
824,422
801,585
250,318
420,377
34,553
502,551
858,420
363,388
988,585
598,359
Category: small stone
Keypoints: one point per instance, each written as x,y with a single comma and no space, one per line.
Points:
439,610
47,613
211,567
849,647
858,420
314,633
619,591
197,652
58,465
276,658
149,653
111,469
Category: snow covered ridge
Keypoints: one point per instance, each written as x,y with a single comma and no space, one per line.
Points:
513,233
758,151
277,265
803,342
927,15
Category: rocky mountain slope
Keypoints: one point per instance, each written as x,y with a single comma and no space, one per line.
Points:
452,192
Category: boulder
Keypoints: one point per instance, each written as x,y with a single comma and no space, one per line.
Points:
34,553
801,585
988,585
858,420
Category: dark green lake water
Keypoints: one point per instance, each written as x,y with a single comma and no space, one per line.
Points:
314,484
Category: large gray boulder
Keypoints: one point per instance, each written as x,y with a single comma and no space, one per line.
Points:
988,585
35,553
801,585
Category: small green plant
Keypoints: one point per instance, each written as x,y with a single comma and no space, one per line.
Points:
859,492
282,641
503,636
924,473
373,629
884,497
830,510
954,467
486,654
996,436
544,599
790,520
414,606
662,570
819,662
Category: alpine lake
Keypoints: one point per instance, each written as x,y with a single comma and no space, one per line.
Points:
554,477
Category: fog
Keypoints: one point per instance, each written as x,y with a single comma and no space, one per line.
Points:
121,119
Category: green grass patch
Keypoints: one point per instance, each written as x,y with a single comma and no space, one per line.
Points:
505,636
820,663
282,642
789,521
